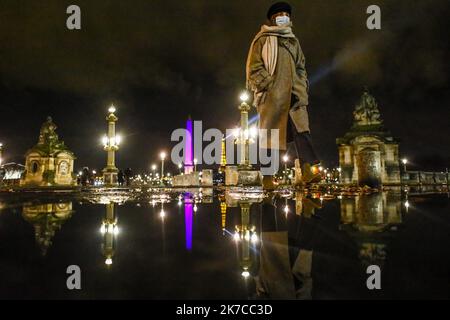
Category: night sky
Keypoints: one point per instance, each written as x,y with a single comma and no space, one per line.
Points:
159,61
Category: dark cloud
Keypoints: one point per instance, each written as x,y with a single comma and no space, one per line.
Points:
162,60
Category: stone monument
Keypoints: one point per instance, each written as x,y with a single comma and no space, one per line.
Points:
368,153
50,162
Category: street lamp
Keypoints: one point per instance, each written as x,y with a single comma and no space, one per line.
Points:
180,167
195,164
404,161
162,155
285,160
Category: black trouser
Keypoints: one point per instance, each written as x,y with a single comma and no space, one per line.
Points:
303,145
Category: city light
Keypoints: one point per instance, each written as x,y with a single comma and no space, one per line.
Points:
112,109
108,261
244,96
236,132
253,132
245,274
118,139
105,140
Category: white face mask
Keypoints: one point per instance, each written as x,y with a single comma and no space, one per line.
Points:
282,20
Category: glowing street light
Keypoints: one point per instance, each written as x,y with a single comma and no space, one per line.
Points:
180,167
244,97
404,161
112,109
285,160
162,155
195,164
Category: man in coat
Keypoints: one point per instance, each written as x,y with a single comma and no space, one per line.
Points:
277,76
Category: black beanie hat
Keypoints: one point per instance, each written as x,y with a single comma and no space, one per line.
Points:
279,7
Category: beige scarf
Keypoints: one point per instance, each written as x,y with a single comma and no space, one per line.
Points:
269,52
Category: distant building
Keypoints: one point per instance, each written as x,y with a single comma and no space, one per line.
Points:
368,153
50,162
11,173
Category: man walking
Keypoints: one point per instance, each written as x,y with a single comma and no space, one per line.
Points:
277,76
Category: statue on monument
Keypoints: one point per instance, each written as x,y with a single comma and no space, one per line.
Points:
367,112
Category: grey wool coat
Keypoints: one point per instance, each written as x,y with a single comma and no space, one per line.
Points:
286,91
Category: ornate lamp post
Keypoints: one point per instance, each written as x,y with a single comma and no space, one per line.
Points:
111,144
340,174
286,175
244,133
404,161
162,155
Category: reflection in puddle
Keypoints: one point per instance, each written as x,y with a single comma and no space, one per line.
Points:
286,245
109,230
46,219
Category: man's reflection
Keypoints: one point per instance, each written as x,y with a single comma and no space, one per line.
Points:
286,251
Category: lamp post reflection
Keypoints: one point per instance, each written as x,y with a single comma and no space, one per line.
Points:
109,230
245,235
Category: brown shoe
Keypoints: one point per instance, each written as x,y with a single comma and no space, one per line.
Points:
268,183
308,176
